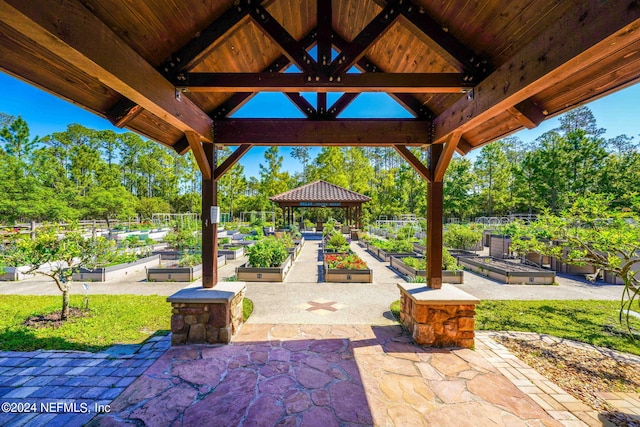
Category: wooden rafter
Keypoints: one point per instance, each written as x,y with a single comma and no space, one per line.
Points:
407,100
303,105
68,30
414,162
230,161
340,104
445,156
527,113
294,50
444,42
353,51
296,82
604,28
360,132
199,153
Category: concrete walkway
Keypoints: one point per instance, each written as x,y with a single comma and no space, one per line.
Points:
312,353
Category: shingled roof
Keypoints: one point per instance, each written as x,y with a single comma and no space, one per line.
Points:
320,191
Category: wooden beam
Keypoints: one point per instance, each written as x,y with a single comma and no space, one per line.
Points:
292,49
463,147
291,132
303,105
205,41
443,42
68,30
354,50
445,157
325,14
199,154
238,99
603,29
230,161
340,104
415,162
527,113
123,112
297,82
408,101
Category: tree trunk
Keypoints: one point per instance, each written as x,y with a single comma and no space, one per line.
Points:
65,304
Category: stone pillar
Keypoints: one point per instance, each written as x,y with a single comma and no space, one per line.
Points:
438,317
207,316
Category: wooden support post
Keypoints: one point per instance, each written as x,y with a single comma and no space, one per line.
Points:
209,229
434,222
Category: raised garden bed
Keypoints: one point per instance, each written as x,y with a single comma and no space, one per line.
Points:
508,272
231,251
499,246
346,275
448,276
179,274
14,274
246,273
384,255
119,271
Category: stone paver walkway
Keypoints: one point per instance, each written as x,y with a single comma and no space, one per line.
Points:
322,375
67,388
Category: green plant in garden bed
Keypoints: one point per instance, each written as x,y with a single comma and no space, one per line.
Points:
337,242
344,262
460,236
190,260
420,263
268,252
393,246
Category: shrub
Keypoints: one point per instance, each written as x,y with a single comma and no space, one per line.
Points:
460,236
190,260
268,252
337,242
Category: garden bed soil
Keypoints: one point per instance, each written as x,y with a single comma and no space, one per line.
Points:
508,272
114,272
246,273
448,276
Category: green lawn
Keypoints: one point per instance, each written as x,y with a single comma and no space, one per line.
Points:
114,319
593,322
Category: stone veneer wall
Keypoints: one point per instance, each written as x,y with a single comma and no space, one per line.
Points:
438,325
206,323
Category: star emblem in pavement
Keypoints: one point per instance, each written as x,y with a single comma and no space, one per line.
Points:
322,306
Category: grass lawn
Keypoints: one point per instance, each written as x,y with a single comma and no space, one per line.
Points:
593,322
113,319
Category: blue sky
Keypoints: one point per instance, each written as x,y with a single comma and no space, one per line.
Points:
45,114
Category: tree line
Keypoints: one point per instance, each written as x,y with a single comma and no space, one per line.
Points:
90,174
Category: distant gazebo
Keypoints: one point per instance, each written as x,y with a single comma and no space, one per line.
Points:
322,194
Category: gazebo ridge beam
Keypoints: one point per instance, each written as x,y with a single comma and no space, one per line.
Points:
341,132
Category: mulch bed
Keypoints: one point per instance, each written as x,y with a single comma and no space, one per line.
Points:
581,371
53,320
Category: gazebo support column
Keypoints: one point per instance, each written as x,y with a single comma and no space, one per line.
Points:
436,315
212,313
209,229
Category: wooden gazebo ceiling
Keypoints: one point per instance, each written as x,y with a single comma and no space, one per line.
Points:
174,70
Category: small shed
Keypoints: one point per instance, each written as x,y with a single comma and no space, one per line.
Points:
322,194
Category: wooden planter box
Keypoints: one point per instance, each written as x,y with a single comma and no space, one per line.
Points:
459,253
179,274
448,276
499,246
246,273
119,271
538,259
14,274
508,272
339,275
231,253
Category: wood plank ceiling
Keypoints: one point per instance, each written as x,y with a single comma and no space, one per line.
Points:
169,69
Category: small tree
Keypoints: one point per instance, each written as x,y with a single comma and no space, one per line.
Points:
590,233
465,237
62,252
